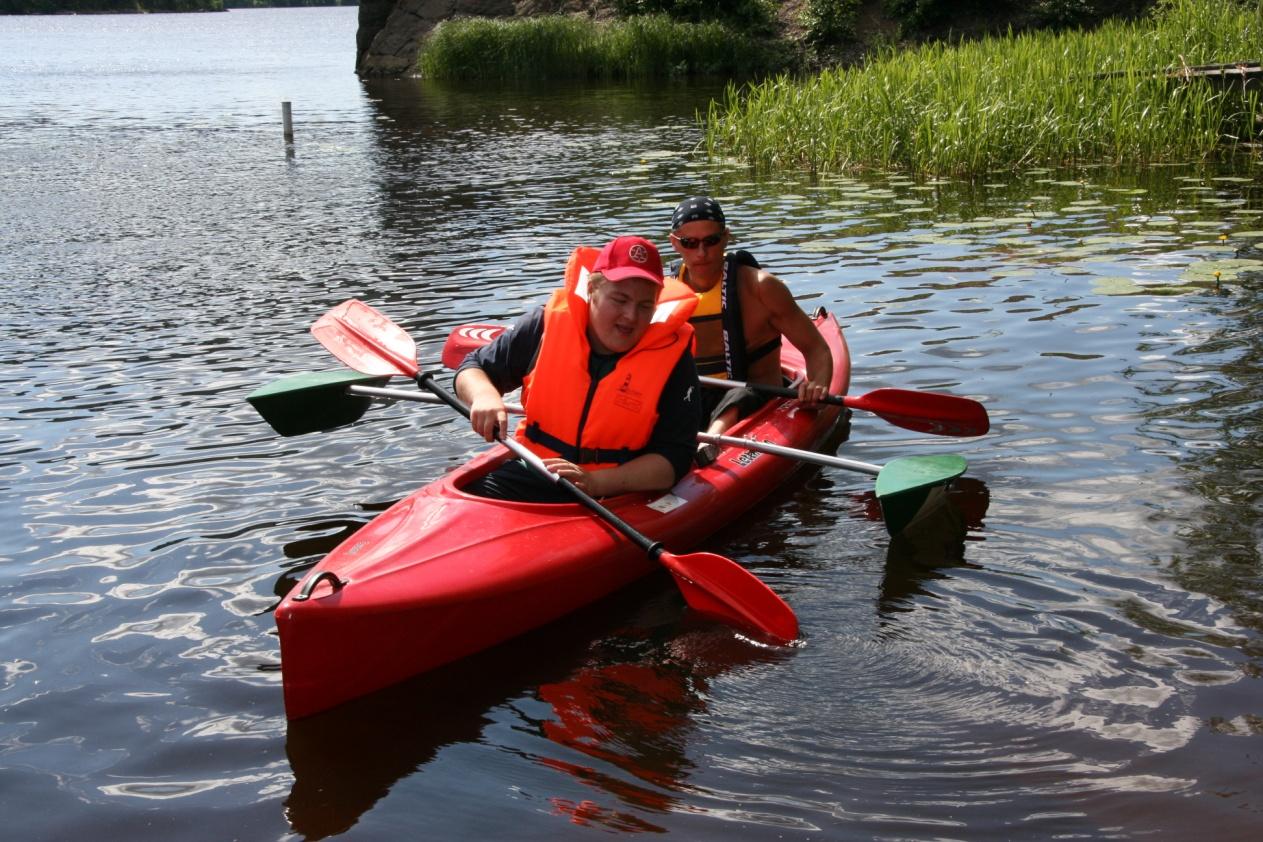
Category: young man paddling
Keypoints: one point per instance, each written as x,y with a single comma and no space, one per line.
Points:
608,381
742,314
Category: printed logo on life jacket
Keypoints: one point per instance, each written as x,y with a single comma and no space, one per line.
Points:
627,397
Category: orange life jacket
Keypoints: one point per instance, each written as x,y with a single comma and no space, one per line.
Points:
609,422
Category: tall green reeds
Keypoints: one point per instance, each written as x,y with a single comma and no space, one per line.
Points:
1034,98
563,47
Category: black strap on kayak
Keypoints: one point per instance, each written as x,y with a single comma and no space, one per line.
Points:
580,455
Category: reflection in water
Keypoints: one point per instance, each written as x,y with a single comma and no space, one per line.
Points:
483,190
935,544
346,759
636,716
1218,430
622,682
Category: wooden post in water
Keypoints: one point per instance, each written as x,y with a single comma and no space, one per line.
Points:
287,121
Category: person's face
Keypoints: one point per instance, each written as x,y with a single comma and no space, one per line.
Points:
701,245
619,313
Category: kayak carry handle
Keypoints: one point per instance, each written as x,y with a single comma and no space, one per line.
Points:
305,593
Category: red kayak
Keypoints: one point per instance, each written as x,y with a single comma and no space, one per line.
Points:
443,574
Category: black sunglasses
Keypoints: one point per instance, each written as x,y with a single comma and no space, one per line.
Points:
691,243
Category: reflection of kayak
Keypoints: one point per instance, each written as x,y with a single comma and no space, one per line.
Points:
443,574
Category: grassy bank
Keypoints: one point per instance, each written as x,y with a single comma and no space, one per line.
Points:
563,47
1035,98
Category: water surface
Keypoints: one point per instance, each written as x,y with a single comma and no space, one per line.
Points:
1072,649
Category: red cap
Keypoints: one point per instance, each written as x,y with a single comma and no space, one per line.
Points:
629,257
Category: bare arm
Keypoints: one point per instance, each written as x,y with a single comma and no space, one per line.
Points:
789,319
487,414
650,472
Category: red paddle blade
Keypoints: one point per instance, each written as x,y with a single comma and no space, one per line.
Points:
366,340
468,338
925,412
725,591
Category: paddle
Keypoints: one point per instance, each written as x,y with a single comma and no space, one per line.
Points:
718,587
305,403
925,412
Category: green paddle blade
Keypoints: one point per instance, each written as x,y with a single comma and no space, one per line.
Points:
306,403
910,486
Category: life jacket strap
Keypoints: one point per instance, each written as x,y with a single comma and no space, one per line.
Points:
580,455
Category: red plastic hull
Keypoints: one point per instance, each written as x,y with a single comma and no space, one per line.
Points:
443,574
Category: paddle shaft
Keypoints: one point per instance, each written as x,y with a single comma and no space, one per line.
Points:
925,412
652,548
792,453
749,444
778,391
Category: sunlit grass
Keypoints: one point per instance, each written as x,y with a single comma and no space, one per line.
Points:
564,47
1002,103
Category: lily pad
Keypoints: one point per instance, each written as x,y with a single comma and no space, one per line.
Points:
1228,270
1128,286
820,245
940,240
1109,239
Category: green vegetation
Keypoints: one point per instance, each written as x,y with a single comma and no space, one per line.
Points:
921,14
830,21
755,16
562,47
1033,98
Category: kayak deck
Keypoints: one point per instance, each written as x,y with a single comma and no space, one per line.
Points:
443,574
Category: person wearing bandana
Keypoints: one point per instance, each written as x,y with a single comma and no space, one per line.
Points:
743,313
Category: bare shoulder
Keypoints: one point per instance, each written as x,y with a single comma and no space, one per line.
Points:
783,314
770,291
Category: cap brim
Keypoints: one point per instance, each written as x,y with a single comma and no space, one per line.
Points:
624,272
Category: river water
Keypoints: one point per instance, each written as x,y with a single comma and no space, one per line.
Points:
1074,648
